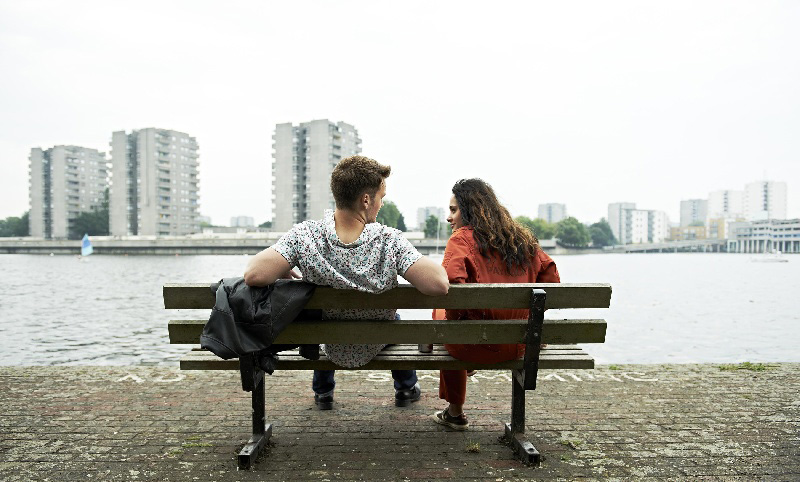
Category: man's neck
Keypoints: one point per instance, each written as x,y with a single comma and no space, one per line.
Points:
349,224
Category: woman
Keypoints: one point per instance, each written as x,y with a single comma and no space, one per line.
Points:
487,246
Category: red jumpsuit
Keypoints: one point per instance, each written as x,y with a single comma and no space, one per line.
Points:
464,264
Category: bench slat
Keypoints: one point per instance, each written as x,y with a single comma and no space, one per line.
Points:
414,331
465,296
577,359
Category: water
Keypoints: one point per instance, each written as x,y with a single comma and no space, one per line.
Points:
665,308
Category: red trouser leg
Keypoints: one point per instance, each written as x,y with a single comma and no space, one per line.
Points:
453,386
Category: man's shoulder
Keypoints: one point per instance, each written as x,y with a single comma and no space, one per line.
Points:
308,226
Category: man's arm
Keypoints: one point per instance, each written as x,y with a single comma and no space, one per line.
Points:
428,277
265,268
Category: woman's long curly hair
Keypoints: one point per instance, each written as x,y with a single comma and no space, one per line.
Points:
493,227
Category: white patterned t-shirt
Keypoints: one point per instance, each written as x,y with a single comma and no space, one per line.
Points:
371,264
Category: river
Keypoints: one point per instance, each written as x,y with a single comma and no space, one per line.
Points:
665,308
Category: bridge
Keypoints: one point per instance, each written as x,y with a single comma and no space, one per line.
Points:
694,245
237,244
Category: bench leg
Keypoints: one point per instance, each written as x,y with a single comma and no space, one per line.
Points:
515,431
262,431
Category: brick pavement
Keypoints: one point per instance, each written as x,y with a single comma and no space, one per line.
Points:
626,422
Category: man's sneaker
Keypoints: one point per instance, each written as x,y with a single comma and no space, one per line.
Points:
404,398
324,402
456,423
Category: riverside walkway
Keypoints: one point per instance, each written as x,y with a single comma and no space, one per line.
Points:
624,422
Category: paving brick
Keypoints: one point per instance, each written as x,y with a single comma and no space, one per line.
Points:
157,423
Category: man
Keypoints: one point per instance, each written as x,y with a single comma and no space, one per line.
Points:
348,249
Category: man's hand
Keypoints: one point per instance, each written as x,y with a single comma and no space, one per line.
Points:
292,274
265,268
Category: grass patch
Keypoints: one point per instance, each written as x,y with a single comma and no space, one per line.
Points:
573,444
473,447
196,444
614,367
753,367
194,437
565,458
174,452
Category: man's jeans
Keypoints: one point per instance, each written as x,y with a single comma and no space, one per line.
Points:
324,383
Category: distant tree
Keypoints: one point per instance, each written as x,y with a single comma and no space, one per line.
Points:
14,226
265,224
205,224
93,223
572,232
601,234
697,223
431,226
446,229
541,228
390,216
401,223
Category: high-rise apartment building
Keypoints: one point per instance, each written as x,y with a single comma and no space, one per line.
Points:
630,225
657,226
552,212
693,212
765,200
64,181
304,157
616,218
726,204
154,188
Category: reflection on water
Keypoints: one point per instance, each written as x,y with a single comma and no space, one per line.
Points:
666,308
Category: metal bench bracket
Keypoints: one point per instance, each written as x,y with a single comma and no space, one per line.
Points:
525,379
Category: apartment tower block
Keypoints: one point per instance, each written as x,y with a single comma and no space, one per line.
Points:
304,157
552,212
154,189
63,182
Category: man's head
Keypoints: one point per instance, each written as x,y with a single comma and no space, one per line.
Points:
357,180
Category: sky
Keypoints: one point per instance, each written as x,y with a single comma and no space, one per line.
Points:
582,103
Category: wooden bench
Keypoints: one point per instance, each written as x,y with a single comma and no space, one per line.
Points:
559,335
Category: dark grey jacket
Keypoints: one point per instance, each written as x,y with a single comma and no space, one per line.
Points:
247,319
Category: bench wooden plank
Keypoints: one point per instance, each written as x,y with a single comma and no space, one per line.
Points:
414,331
557,359
465,296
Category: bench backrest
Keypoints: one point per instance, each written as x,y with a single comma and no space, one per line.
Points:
467,296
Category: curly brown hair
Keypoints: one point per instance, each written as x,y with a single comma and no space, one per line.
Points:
493,227
354,176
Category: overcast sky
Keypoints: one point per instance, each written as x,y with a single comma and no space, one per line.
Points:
583,103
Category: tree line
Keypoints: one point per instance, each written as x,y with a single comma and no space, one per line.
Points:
569,232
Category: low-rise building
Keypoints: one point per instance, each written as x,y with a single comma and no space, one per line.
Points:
424,213
764,236
242,222
687,233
